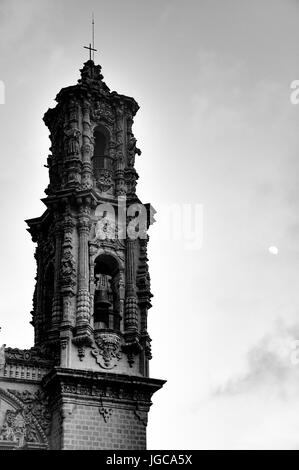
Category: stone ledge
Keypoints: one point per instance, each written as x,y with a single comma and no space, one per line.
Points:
72,382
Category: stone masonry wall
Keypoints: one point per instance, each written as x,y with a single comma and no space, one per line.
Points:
116,428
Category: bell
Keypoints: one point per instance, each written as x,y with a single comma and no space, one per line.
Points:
102,293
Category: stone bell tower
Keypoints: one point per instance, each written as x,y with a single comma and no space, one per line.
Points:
88,372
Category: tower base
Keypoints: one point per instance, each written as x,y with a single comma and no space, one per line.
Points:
98,410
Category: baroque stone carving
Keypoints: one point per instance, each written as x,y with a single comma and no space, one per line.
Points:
2,356
142,415
104,181
132,150
105,229
67,269
35,405
131,312
107,349
105,412
104,111
72,141
13,429
29,422
131,177
32,356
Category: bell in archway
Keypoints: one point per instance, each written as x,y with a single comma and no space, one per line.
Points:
102,292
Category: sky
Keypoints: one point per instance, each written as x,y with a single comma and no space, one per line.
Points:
217,131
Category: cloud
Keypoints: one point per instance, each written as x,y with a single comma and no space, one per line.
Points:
271,367
258,409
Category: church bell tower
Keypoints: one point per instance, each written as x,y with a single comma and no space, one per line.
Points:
92,292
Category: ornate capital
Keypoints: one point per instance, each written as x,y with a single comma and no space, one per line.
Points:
84,225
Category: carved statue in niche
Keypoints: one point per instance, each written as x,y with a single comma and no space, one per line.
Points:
72,141
132,150
67,264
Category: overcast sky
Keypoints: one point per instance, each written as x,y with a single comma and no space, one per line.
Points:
216,127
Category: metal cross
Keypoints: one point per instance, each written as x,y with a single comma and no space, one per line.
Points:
90,49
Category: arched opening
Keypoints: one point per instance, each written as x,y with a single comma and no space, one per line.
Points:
48,295
106,299
101,159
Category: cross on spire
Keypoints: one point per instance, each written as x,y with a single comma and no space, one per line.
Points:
91,45
90,49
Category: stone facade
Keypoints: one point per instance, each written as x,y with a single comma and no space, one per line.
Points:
85,384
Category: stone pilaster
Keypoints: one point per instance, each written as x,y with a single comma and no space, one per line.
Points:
120,185
83,298
87,147
72,146
131,312
57,304
67,272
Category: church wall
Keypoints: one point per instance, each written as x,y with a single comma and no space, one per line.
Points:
56,433
116,428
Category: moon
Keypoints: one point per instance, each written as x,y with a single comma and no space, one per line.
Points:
273,250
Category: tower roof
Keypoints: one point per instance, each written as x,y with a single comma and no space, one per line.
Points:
91,86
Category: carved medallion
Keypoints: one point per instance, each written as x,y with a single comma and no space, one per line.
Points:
106,350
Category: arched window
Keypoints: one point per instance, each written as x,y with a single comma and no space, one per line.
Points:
106,299
48,295
101,159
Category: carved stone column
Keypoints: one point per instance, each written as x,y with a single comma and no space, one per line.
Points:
57,304
72,146
92,254
87,147
121,298
83,298
37,310
120,189
67,271
131,312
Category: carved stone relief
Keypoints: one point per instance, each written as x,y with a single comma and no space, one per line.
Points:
107,350
24,417
105,412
